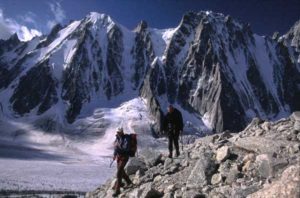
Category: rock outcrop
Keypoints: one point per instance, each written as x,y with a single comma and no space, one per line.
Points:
261,161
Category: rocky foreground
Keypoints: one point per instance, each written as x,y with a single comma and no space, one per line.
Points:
261,161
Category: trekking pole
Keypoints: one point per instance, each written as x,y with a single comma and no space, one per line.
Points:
181,141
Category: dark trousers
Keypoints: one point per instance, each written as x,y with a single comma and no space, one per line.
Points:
121,174
173,139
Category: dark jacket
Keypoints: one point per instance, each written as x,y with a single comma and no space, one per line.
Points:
173,121
121,146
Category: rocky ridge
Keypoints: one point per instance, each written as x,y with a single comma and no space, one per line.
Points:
263,160
211,66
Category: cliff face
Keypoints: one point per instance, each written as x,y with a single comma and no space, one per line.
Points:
210,65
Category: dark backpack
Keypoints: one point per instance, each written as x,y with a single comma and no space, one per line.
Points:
131,146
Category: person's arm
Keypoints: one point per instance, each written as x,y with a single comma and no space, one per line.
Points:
120,147
117,148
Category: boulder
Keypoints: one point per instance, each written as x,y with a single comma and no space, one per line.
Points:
225,167
260,144
267,165
168,163
151,157
221,192
296,115
287,186
193,194
233,175
150,192
222,154
134,164
147,191
202,171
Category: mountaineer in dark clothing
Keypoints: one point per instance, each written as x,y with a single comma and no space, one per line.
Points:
122,156
173,125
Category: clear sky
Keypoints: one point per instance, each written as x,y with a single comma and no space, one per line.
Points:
38,16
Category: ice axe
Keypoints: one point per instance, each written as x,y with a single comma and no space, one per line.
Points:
111,163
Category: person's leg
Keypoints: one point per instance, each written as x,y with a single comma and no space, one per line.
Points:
176,143
170,146
119,177
124,175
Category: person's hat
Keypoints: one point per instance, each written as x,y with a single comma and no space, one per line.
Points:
120,130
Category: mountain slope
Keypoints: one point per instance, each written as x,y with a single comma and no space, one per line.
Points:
217,67
211,66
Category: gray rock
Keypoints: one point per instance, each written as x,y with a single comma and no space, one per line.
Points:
287,186
260,144
233,175
157,178
149,192
225,167
134,164
201,172
221,192
245,190
268,166
294,149
249,157
296,115
216,179
192,194
168,163
172,169
151,157
184,163
137,177
168,195
266,126
222,153
297,125
259,132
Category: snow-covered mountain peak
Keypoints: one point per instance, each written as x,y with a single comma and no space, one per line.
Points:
99,19
209,64
141,26
293,36
216,22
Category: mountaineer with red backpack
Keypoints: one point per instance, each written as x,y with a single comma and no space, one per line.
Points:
125,146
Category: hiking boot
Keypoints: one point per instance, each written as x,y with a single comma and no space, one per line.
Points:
129,182
170,155
121,185
116,193
177,154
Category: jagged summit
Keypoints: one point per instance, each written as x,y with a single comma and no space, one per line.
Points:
211,66
215,19
143,25
97,19
293,37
